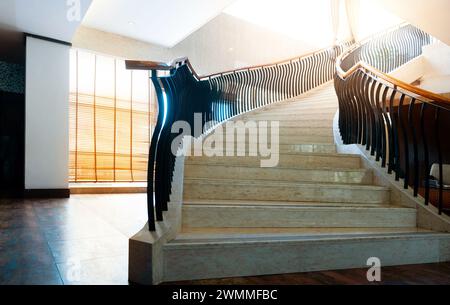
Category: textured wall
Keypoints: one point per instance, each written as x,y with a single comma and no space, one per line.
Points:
12,77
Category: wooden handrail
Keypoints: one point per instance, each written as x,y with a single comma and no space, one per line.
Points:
162,66
395,82
153,65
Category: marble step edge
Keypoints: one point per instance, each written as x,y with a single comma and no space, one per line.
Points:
241,203
296,154
208,233
228,182
270,240
283,168
319,208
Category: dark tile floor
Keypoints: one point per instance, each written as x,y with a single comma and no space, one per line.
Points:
82,240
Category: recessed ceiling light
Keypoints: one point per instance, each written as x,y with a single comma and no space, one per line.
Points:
130,23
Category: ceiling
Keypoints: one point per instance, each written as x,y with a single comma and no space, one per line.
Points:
41,17
161,22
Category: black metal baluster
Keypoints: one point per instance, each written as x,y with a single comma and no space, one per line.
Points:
412,126
426,153
440,162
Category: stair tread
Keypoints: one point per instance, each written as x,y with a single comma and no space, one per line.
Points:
284,183
306,154
244,203
286,167
336,207
211,239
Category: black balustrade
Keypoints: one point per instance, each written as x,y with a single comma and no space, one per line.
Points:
401,125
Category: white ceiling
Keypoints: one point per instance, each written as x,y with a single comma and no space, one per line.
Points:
161,22
41,17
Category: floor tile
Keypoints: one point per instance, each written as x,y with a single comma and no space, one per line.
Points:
31,276
104,271
85,249
80,230
21,237
25,256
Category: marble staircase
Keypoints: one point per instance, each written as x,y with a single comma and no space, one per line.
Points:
316,210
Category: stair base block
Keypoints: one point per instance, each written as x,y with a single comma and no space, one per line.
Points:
207,259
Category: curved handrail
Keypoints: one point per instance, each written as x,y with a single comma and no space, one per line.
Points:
176,63
401,125
392,80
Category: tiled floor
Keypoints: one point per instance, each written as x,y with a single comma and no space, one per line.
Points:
82,240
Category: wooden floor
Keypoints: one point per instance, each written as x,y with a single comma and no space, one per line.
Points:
432,274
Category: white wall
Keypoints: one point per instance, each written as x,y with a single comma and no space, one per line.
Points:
228,43
432,16
374,18
57,19
47,115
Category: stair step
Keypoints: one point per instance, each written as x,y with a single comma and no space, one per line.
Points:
195,235
308,148
292,131
190,259
291,160
284,139
291,117
324,123
289,112
200,202
296,216
323,148
213,171
227,189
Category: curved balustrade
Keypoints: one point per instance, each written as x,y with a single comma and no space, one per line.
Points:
219,97
403,126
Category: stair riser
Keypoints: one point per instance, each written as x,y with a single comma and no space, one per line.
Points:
299,117
302,105
307,123
302,123
291,149
297,148
252,259
308,148
293,131
277,174
283,139
309,161
290,112
210,216
300,193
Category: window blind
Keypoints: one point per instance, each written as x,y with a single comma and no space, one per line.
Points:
112,115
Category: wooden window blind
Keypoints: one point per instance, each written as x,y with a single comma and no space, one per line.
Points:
112,115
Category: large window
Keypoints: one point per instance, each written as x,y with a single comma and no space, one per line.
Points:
112,114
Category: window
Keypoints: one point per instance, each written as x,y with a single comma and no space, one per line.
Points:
112,115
